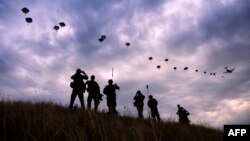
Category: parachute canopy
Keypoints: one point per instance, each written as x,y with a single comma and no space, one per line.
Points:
56,27
25,10
29,20
102,38
62,24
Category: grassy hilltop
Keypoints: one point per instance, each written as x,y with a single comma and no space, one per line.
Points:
48,121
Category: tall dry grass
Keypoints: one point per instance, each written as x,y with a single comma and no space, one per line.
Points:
47,121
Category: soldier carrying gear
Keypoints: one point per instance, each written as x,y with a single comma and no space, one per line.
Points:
110,91
152,104
183,115
93,90
139,97
78,87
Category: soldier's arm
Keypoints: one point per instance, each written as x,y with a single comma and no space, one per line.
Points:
98,88
117,87
73,76
104,90
85,76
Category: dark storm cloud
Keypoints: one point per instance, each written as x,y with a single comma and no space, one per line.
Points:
93,18
3,11
219,22
228,27
6,59
226,22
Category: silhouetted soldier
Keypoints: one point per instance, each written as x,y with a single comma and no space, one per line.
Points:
152,104
183,115
110,91
139,97
78,87
93,90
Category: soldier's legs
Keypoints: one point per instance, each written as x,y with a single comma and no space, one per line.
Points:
80,95
72,99
96,101
181,119
140,111
153,114
111,102
157,115
186,120
89,100
114,109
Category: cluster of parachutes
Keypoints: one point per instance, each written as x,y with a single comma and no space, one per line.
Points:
127,44
30,20
227,70
103,37
26,11
175,68
61,24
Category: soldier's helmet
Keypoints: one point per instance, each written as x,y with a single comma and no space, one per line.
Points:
138,92
92,77
78,71
110,81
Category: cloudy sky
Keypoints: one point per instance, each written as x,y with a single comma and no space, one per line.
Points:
36,62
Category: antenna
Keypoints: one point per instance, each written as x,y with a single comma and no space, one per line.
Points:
112,73
147,96
147,89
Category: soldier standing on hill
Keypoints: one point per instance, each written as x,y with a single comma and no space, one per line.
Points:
78,87
139,97
183,115
152,104
110,91
93,90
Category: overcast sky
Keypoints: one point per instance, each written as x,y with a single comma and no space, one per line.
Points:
36,62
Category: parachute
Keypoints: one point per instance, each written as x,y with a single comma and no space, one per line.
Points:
127,44
25,10
29,20
62,24
102,38
56,27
